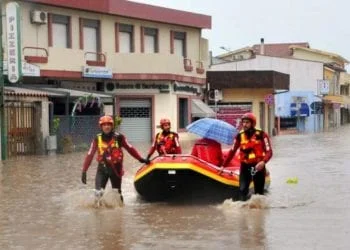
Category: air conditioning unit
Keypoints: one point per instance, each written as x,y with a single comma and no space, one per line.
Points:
109,87
215,95
38,17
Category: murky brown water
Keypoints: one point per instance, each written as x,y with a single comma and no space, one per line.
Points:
43,205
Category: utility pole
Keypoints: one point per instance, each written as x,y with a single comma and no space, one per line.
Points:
2,96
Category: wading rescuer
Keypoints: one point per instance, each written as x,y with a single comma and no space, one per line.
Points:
108,145
165,142
255,151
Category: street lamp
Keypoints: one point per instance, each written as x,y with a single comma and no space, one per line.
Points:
226,49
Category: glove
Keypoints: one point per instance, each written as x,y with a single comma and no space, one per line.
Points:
83,177
146,161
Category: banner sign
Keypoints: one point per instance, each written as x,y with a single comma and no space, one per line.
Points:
97,72
14,60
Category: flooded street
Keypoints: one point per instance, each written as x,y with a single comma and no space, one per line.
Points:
43,205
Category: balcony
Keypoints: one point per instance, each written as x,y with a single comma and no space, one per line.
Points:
188,65
200,68
95,59
41,55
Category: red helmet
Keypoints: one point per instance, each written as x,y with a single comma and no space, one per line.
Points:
106,119
164,121
251,117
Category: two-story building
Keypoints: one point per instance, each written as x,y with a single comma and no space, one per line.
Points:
314,100
151,60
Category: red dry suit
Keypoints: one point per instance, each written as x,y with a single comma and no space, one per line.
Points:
109,152
165,143
254,145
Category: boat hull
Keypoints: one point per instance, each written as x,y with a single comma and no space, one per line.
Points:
185,177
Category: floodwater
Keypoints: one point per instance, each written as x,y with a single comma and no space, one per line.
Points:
43,205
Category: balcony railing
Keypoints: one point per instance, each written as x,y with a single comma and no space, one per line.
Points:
37,58
99,59
188,65
200,68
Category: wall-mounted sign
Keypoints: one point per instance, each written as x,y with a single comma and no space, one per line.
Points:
97,72
186,88
110,86
13,40
269,99
323,86
27,69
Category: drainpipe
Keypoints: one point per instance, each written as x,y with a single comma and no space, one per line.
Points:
2,96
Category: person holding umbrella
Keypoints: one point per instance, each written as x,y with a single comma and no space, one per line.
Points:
255,151
213,132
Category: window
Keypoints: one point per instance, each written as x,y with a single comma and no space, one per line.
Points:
179,43
149,43
125,38
60,31
90,40
183,113
344,90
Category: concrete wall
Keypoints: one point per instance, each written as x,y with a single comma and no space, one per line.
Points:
312,56
303,74
243,55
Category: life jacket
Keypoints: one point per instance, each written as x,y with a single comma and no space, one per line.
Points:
166,143
110,152
252,150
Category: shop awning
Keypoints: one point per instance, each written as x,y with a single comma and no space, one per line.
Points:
200,109
333,99
74,94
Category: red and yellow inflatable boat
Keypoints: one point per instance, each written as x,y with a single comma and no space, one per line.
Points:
188,177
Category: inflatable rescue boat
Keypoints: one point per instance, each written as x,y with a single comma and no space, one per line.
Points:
187,177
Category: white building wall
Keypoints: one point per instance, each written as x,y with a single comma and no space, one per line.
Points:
303,74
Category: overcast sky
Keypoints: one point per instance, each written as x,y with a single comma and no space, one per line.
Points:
239,23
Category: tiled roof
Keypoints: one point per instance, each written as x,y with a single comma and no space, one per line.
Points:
17,91
278,49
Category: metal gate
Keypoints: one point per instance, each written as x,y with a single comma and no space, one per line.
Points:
21,126
136,115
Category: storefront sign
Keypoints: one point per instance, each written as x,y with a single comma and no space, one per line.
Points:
186,88
27,69
13,42
137,85
97,72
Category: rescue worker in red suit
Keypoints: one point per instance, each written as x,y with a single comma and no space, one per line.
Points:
108,145
255,151
166,142
208,150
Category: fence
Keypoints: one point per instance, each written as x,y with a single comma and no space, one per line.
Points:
78,130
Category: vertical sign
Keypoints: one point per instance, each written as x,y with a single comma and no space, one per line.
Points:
14,60
323,86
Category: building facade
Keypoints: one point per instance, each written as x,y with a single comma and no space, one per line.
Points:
151,60
304,76
310,70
